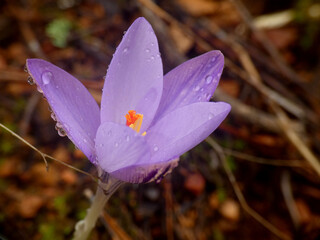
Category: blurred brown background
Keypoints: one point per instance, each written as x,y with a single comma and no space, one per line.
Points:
257,177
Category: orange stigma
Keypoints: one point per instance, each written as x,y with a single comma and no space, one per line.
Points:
134,120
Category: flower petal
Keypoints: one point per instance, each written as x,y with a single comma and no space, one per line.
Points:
190,82
184,128
119,146
134,78
147,172
73,106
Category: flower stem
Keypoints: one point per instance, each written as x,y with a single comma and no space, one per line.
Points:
105,189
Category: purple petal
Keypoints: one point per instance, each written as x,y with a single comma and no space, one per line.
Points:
134,78
119,146
190,82
184,128
73,106
146,172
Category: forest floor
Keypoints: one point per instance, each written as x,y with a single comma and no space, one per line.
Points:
256,177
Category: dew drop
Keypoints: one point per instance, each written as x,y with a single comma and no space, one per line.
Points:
201,89
152,44
125,50
127,138
109,133
53,116
213,59
155,148
199,98
152,58
116,144
47,77
61,131
158,55
147,50
209,79
210,116
30,80
218,75
39,89
101,145
85,140
196,88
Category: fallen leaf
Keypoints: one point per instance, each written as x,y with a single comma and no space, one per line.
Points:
230,209
195,183
30,205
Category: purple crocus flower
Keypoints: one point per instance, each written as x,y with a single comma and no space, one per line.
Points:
146,120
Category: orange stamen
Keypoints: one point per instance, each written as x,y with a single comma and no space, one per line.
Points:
131,117
134,120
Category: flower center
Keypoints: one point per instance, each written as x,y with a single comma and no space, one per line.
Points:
134,120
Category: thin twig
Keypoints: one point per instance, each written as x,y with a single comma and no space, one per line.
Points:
273,162
285,69
46,156
240,196
253,115
289,199
293,137
266,91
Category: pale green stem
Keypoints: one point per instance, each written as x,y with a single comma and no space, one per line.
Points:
104,192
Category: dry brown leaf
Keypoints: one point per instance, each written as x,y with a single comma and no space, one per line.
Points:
182,41
30,205
230,209
9,167
62,154
282,37
195,183
69,176
199,7
304,211
214,201
230,87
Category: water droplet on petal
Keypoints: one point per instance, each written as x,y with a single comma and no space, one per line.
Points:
210,116
46,77
39,89
158,55
101,145
152,58
61,131
53,116
213,59
218,75
155,148
152,44
116,144
147,50
209,79
196,88
109,133
201,89
199,98
85,140
30,80
127,138
125,50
